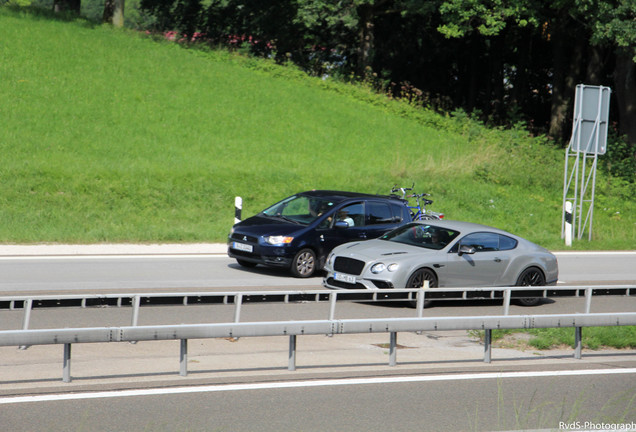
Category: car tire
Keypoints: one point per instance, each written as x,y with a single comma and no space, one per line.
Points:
304,264
532,276
248,264
416,280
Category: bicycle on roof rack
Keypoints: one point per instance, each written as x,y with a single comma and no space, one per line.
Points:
419,211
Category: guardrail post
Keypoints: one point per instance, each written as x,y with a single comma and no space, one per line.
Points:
393,349
578,337
183,358
421,295
28,307
66,370
238,301
588,299
136,303
507,295
135,316
333,298
292,353
487,345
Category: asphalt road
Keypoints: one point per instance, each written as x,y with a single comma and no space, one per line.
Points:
477,402
217,272
440,383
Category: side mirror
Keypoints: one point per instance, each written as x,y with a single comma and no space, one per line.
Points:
341,225
465,249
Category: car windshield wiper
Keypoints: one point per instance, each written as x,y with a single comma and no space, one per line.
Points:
285,218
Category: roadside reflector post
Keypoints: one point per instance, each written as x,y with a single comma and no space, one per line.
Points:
568,223
238,207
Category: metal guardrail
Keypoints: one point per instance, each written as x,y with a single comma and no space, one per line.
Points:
292,329
190,298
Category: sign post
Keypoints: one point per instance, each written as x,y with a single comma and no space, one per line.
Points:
588,141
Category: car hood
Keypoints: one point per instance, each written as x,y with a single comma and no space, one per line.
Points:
266,226
379,249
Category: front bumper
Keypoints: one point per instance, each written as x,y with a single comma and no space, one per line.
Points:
270,256
330,281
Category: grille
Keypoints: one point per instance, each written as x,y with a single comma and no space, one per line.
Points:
237,252
382,284
348,265
339,284
244,238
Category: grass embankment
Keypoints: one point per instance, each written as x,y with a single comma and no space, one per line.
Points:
110,136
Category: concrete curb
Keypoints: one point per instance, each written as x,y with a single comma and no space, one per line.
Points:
113,249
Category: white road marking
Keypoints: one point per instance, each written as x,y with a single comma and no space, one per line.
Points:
313,383
595,253
98,256
109,257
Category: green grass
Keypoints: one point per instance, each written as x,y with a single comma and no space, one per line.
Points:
593,338
111,136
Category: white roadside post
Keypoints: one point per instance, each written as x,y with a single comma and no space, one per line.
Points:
238,206
568,223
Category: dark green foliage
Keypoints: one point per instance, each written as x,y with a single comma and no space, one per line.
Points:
620,159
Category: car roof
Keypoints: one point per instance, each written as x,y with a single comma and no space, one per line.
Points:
465,227
339,196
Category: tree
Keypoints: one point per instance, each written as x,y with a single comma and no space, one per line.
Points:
578,31
67,6
615,26
114,12
504,60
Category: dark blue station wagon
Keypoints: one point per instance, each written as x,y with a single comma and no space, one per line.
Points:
299,232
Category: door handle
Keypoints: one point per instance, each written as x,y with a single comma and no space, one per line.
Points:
362,235
497,259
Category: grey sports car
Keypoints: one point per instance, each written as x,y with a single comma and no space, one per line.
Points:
444,253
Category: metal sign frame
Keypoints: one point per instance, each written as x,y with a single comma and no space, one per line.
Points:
588,141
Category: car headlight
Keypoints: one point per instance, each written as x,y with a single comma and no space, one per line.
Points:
378,268
274,240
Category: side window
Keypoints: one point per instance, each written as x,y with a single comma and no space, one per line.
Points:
353,214
398,215
379,213
482,242
507,243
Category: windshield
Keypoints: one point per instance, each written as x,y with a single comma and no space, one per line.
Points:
299,209
425,236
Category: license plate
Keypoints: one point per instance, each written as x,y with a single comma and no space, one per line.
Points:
344,278
242,247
